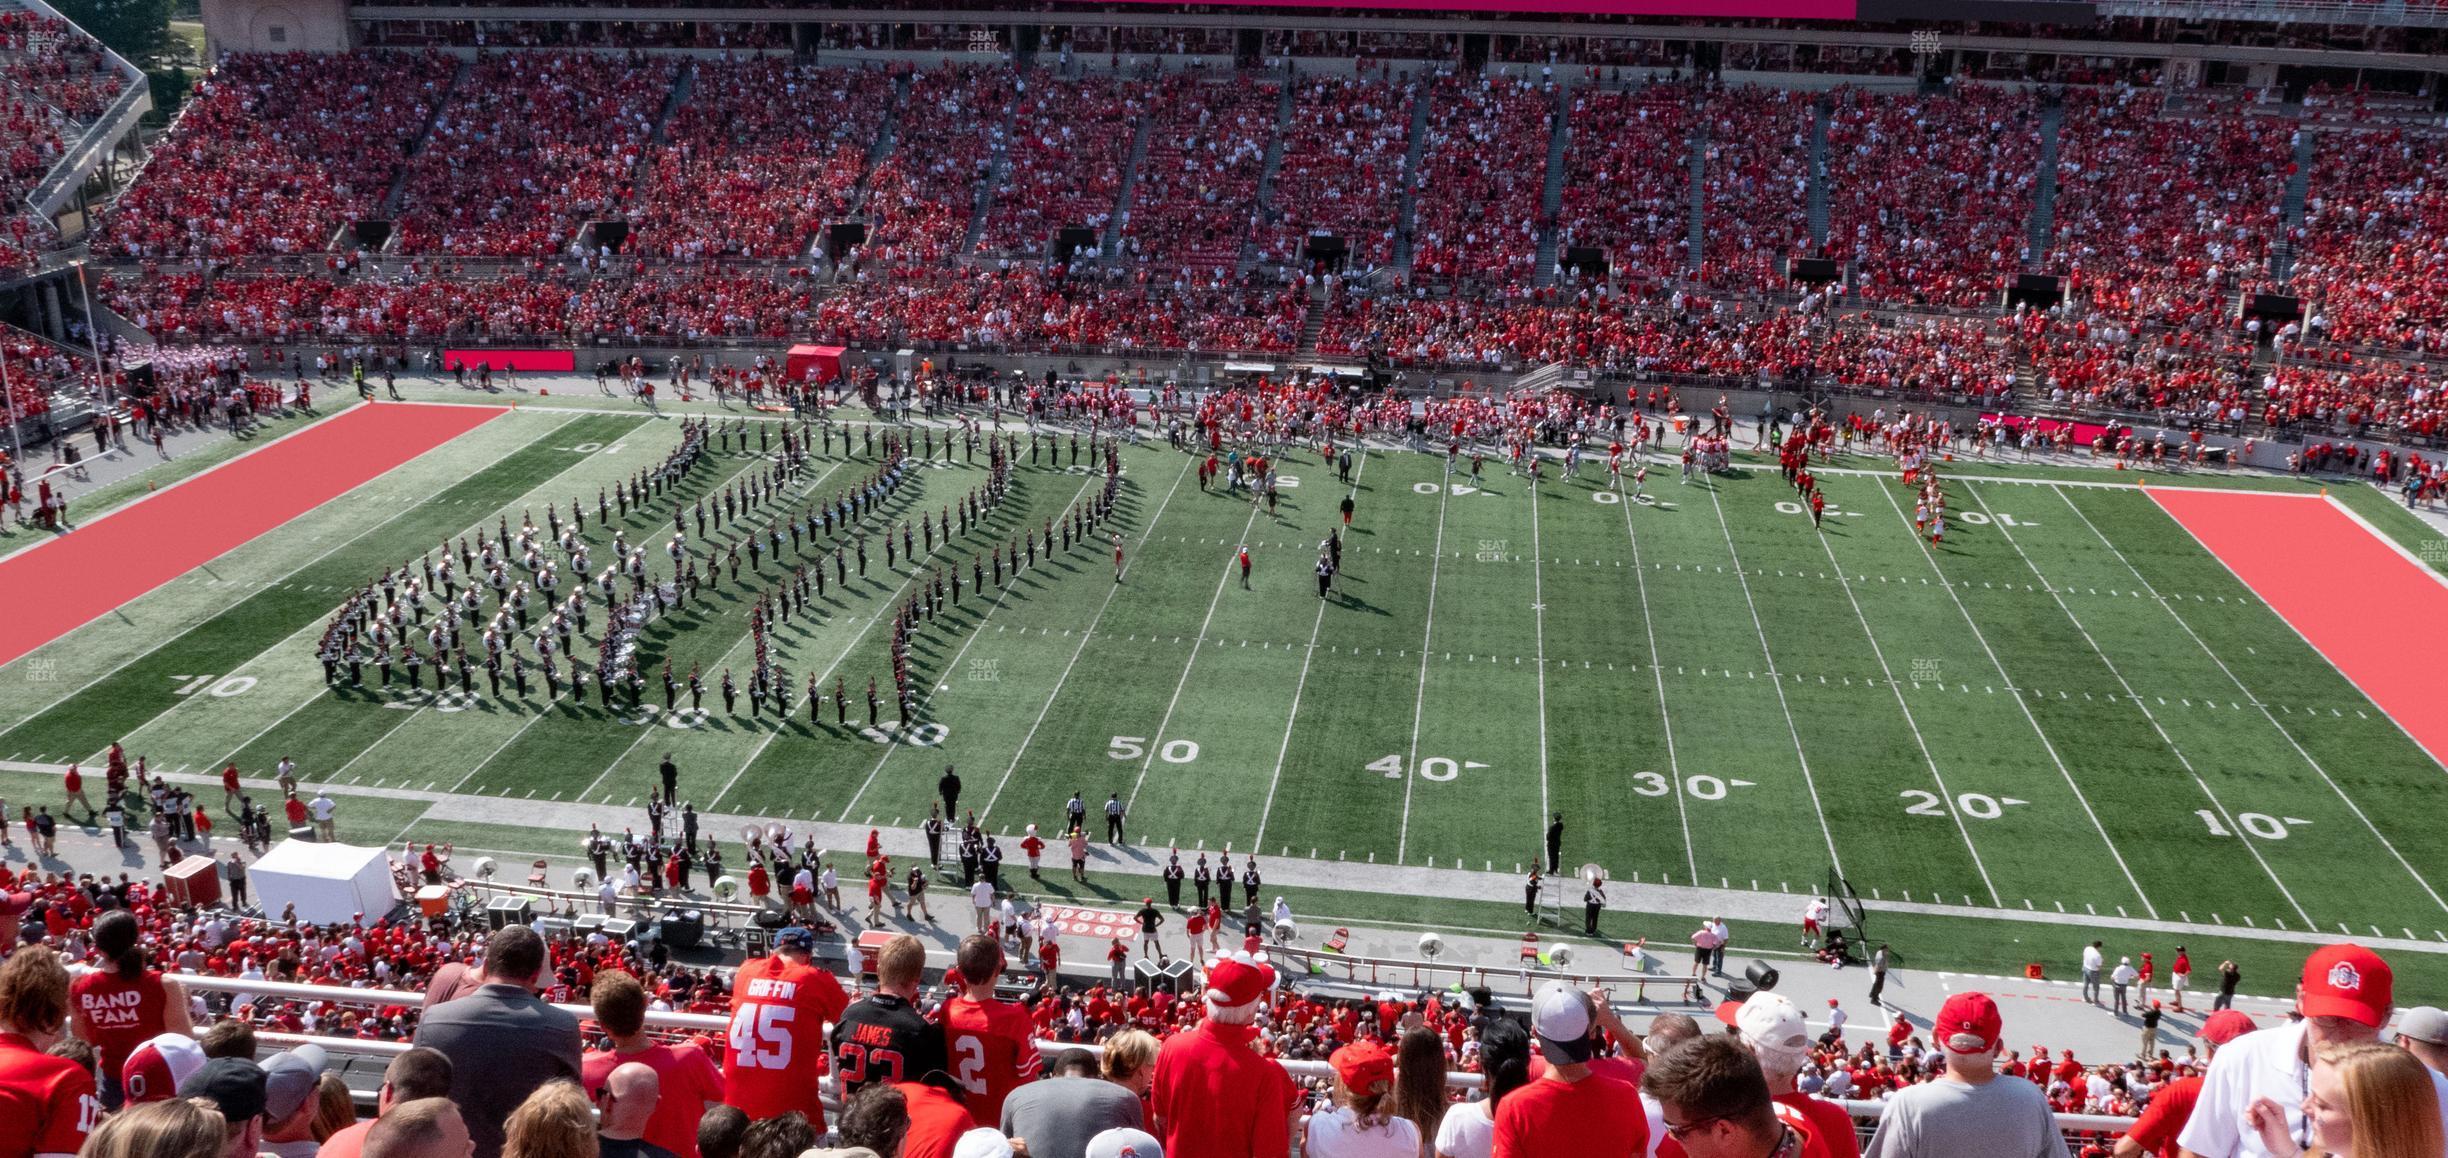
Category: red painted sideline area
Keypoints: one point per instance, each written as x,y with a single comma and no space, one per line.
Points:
2347,590
549,361
53,589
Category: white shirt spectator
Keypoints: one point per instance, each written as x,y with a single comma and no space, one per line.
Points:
981,894
1338,1133
1466,1130
2092,959
2266,1063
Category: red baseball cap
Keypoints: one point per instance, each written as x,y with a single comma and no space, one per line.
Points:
2348,981
1968,1023
2227,1025
1363,1066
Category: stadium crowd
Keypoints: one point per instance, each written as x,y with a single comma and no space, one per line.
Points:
1071,140
94,1034
763,153
947,167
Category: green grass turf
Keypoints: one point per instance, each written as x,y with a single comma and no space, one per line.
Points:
1710,691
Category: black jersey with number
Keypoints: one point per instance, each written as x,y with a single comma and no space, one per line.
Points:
883,1038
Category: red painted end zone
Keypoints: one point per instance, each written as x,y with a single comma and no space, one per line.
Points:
548,361
2354,595
54,588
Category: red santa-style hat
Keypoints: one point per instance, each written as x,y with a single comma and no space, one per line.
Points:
1237,979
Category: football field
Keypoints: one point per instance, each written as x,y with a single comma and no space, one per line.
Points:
2071,706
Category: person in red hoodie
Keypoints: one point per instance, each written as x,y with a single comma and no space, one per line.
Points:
1214,1094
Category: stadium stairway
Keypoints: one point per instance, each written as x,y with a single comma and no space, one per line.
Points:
875,156
389,210
1405,213
1551,202
1695,236
112,322
1265,198
998,166
2044,190
1111,244
2282,255
1313,320
682,85
1819,177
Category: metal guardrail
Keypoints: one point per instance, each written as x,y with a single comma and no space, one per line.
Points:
1425,974
655,1019
1864,1113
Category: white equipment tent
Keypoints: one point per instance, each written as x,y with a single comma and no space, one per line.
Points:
329,883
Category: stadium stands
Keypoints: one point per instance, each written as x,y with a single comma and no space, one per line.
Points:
1071,141
1757,186
1929,203
1476,207
763,153
1624,192
2374,247
1341,172
531,145
1196,198
1931,195
923,194
2160,211
274,154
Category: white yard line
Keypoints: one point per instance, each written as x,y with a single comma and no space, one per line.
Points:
1076,652
1538,621
1777,680
1267,808
976,630
2029,716
1657,672
1156,738
2257,702
2147,715
327,553
1419,699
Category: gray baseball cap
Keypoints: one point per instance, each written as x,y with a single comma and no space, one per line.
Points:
2424,1023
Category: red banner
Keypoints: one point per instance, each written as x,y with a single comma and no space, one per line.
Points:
2085,433
1102,924
550,361
1717,9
